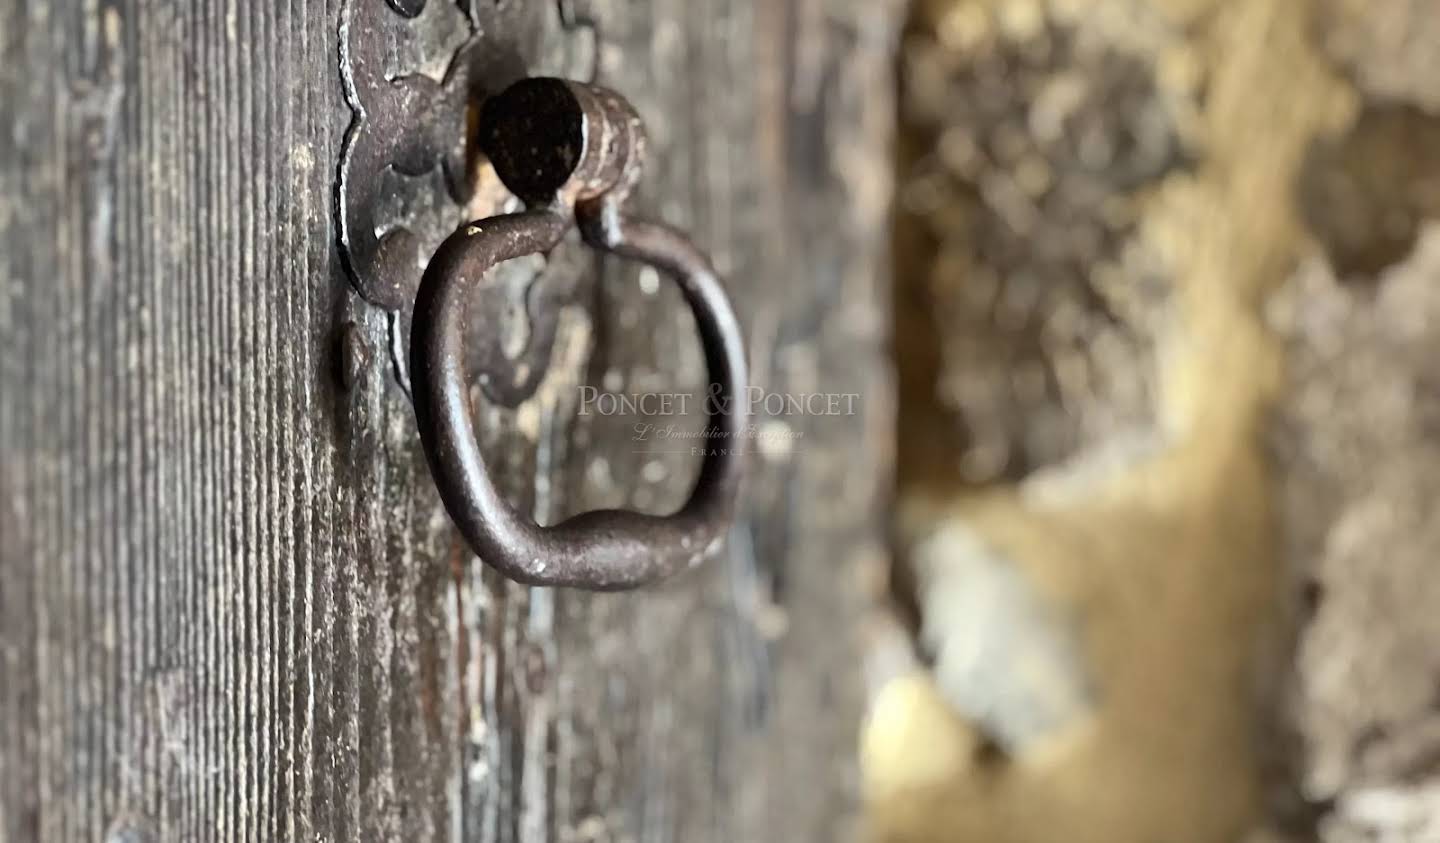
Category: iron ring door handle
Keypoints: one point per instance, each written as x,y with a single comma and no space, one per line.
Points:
606,549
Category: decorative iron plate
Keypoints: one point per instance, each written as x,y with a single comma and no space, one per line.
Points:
415,73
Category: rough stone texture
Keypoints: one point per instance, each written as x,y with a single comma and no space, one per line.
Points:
1357,444
1032,133
1387,46
1357,441
1365,192
1252,597
1008,660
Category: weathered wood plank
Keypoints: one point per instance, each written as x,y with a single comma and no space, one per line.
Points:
232,607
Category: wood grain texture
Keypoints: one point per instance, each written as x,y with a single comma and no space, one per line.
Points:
231,606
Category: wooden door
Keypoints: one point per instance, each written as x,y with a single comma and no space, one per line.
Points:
231,605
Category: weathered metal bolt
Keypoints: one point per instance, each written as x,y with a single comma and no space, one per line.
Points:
557,143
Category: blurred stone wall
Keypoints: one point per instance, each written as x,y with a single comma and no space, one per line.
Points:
1168,331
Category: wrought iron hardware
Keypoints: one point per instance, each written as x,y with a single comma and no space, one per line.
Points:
572,152
409,126
406,125
410,169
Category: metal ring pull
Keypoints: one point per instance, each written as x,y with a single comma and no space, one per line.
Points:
572,152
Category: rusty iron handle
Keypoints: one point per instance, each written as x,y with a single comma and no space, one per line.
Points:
572,152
